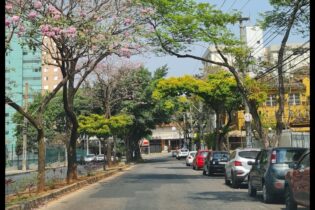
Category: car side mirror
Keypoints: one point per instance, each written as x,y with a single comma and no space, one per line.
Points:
250,163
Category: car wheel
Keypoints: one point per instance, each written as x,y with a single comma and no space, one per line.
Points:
209,172
290,204
266,194
204,172
227,182
233,181
251,190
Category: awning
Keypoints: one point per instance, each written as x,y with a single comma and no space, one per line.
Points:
236,133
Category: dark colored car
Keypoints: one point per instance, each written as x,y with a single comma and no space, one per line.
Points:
269,170
199,159
215,162
297,185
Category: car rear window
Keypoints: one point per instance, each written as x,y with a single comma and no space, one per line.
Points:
288,155
220,155
248,154
193,154
184,150
203,154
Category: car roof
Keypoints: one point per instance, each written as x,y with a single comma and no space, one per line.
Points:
247,149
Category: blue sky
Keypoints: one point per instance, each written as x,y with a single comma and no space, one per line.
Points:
182,66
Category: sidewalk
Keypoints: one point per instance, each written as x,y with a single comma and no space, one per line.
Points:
11,171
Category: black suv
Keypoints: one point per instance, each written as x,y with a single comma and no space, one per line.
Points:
269,170
215,162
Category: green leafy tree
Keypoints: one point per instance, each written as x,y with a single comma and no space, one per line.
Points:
290,17
179,24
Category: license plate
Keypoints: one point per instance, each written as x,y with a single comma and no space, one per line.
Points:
222,163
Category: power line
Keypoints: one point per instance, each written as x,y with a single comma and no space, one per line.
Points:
288,69
222,4
231,5
274,67
244,5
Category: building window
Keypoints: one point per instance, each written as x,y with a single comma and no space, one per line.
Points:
271,100
24,53
36,70
7,132
7,114
294,99
55,77
55,69
46,78
46,87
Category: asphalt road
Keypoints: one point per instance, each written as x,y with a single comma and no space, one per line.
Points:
161,183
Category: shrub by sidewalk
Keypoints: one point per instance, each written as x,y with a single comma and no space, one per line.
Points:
24,202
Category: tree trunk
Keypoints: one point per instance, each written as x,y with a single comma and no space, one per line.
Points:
109,153
104,152
218,127
114,150
41,160
281,91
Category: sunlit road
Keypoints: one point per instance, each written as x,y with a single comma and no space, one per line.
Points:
161,183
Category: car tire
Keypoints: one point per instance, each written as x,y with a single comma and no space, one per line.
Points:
290,204
267,198
252,192
233,181
204,172
227,182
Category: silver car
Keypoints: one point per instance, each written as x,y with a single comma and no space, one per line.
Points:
182,153
237,169
190,157
89,158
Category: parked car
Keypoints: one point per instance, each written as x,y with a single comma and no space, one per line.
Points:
199,159
174,152
237,169
89,158
269,170
182,153
80,159
190,157
215,162
297,183
99,157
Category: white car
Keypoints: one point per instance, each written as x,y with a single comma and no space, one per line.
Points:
190,157
89,158
237,169
182,153
99,157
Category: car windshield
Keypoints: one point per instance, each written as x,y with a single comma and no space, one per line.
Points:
204,154
288,155
184,150
193,154
220,155
248,154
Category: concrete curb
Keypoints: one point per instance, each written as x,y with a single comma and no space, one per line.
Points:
59,192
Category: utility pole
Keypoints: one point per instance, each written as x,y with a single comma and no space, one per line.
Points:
247,115
25,130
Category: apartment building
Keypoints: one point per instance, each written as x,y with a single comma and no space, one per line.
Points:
23,65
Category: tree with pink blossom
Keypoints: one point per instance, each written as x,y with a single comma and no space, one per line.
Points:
83,33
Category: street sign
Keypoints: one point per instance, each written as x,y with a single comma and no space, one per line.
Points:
248,117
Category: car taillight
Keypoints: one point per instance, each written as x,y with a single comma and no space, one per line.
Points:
237,163
273,158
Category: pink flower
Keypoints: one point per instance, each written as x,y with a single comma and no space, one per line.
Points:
128,21
32,15
45,28
125,52
37,5
15,19
56,30
8,6
82,14
7,23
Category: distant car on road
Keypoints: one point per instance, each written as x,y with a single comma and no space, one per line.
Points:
215,162
237,169
269,170
199,159
190,157
182,153
99,157
89,158
297,183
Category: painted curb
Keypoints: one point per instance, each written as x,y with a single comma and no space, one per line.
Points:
28,205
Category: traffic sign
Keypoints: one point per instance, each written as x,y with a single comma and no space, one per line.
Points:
248,117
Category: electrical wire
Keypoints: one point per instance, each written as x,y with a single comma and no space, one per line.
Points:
244,5
231,5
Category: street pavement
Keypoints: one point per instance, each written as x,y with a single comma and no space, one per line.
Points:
161,183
